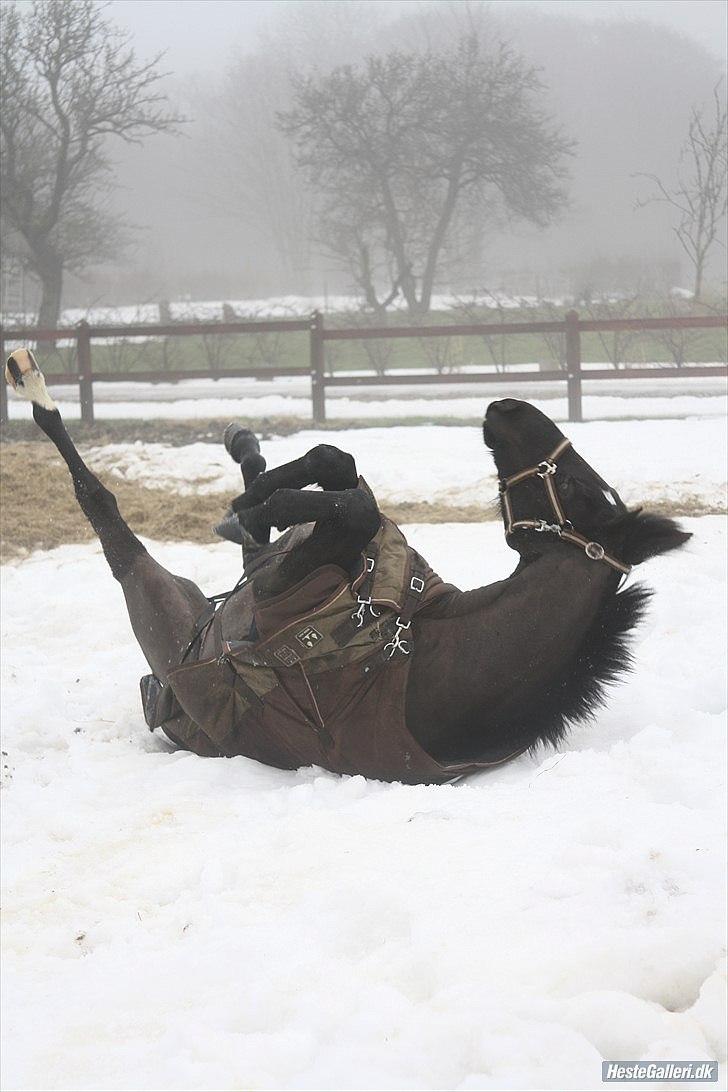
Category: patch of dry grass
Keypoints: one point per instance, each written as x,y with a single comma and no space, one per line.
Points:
190,431
38,509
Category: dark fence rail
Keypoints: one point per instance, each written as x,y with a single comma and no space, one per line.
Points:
571,327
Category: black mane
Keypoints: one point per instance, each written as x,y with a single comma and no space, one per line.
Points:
572,696
605,656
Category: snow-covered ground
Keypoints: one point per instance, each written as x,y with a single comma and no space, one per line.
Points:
291,306
664,461
174,922
294,306
291,397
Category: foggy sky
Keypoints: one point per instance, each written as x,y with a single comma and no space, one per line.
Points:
195,238
199,35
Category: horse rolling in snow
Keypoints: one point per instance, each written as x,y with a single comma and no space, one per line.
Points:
340,647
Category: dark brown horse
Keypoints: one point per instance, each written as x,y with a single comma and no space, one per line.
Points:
341,647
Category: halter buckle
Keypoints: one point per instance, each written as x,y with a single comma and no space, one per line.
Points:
546,469
541,525
594,551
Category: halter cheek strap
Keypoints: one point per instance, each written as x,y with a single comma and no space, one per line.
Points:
562,527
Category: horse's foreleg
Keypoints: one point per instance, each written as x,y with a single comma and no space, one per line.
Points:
324,465
345,521
242,446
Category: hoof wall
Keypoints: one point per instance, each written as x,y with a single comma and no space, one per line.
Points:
25,377
21,363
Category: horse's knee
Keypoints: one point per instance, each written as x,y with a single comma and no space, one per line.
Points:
332,468
362,514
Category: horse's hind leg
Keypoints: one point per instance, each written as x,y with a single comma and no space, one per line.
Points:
120,545
163,609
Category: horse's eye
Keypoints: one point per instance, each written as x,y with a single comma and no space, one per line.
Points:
577,490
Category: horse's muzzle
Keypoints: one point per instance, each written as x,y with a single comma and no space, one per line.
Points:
504,405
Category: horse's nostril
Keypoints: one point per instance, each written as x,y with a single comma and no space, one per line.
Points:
507,405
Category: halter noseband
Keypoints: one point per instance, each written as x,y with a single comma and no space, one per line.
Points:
563,527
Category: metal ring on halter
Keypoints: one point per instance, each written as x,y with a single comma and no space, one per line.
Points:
564,528
546,469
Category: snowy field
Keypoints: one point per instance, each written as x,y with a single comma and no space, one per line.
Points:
609,399
662,461
289,306
174,922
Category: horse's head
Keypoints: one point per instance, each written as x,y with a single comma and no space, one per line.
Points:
563,489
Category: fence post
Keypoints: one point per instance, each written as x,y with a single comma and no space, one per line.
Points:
318,393
3,385
85,380
573,365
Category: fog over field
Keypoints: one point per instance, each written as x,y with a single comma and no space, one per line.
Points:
220,209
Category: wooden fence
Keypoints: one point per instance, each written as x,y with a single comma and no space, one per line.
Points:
572,327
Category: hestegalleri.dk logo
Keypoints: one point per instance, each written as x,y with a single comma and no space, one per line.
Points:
659,1071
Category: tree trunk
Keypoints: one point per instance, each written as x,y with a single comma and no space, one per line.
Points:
438,237
50,272
698,287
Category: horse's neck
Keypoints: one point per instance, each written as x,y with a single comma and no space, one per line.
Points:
495,649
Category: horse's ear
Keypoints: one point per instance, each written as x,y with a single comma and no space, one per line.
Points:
647,535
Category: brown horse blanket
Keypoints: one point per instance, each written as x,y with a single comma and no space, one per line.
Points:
319,677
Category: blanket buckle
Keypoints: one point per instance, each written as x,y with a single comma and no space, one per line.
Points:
397,644
365,603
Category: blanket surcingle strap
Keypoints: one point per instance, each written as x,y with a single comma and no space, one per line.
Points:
320,676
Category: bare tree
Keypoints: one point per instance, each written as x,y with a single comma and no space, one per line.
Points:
68,81
679,342
378,351
616,344
700,197
554,341
474,309
396,146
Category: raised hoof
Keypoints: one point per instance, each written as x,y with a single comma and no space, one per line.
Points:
234,530
240,442
25,377
229,528
256,522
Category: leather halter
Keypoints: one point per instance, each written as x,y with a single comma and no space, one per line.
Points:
563,527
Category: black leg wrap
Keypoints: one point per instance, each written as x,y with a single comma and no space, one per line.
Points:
332,468
242,446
